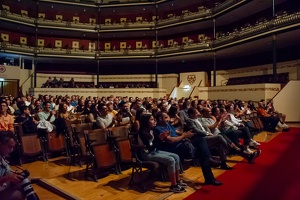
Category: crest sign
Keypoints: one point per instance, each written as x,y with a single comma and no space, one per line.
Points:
191,79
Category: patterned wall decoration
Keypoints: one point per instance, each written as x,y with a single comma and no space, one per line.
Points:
75,45
23,40
76,19
92,20
122,45
154,44
139,19
42,15
24,12
138,45
41,42
58,43
5,7
123,20
185,39
92,45
59,17
107,46
170,42
5,37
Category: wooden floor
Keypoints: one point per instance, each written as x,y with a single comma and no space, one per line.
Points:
70,179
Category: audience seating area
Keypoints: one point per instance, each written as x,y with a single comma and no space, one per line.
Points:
281,78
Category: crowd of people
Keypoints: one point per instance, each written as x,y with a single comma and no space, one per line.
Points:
172,130
55,83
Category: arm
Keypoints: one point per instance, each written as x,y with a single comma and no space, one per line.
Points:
190,125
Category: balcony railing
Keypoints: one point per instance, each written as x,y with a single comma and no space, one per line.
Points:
202,14
263,28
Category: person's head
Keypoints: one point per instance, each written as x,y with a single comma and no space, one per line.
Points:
102,108
46,105
25,110
110,106
162,118
3,107
193,113
206,112
68,101
125,107
147,121
215,111
186,105
62,108
173,110
7,143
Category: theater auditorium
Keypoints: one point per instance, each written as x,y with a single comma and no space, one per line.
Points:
150,99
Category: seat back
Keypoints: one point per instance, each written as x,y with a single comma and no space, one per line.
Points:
122,142
30,143
78,135
96,142
55,143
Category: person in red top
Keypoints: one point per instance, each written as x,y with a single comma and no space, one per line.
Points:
270,121
6,120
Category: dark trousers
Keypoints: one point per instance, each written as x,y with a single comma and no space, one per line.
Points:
203,153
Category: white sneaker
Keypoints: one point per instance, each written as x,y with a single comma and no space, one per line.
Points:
280,125
284,126
254,143
248,151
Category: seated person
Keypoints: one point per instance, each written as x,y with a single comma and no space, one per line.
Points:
273,112
213,140
6,120
104,119
170,160
270,121
13,186
124,116
174,142
244,126
29,124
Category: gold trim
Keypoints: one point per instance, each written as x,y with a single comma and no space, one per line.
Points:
273,89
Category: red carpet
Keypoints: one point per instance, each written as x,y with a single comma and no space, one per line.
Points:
275,175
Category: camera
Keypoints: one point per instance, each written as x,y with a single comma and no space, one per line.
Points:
27,187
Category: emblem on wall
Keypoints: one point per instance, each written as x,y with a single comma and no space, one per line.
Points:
2,69
191,79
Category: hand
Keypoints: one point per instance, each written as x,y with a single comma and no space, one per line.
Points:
188,134
14,178
209,134
164,135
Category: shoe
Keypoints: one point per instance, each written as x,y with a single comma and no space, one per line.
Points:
248,151
226,167
258,152
177,189
214,163
252,157
214,182
182,184
284,126
255,142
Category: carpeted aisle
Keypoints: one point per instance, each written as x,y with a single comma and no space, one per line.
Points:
275,175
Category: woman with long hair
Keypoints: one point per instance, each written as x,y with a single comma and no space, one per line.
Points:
170,160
